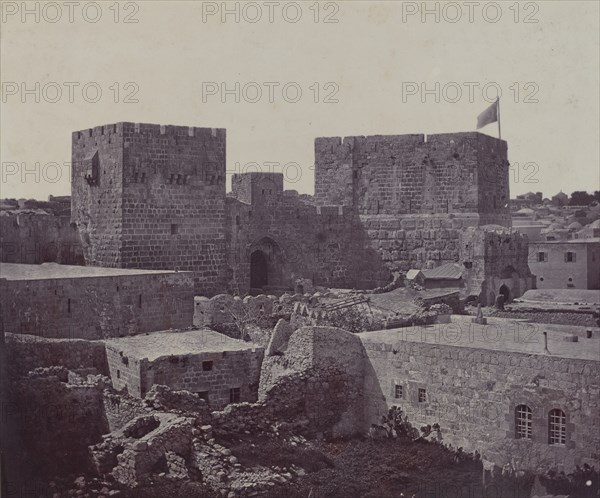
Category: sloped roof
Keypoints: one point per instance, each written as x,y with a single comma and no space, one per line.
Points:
449,271
412,274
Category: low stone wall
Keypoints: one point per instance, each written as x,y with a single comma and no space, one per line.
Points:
582,319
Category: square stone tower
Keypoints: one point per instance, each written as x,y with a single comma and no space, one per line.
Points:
152,196
450,173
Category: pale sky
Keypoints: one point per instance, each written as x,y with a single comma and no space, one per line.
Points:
374,51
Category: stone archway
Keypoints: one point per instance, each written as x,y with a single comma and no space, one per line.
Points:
266,264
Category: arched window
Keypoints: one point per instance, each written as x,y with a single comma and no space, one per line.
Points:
557,427
523,416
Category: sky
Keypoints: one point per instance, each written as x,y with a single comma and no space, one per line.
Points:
279,74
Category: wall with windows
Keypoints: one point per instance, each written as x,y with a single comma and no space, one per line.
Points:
559,265
531,409
218,377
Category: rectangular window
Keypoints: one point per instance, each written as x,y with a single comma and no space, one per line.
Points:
203,395
398,392
174,229
542,257
234,395
523,422
207,366
422,395
557,427
570,257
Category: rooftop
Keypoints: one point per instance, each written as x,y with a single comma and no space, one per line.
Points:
591,240
449,271
46,271
498,335
155,345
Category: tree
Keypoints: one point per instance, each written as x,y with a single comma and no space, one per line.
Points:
580,198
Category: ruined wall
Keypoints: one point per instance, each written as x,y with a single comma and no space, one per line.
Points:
473,393
152,196
57,421
35,239
97,307
319,371
32,352
408,174
326,244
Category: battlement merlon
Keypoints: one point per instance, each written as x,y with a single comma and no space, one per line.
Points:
416,139
127,129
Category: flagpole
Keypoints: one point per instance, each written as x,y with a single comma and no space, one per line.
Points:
498,113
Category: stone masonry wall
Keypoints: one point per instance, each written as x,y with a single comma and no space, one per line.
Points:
408,174
326,244
192,372
35,351
158,201
98,307
35,239
498,256
229,370
473,393
97,204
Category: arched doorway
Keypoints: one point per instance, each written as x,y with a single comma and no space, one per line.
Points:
259,270
266,264
505,291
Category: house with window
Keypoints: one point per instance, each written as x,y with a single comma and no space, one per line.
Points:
566,264
217,368
504,389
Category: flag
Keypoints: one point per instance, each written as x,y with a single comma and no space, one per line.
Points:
490,115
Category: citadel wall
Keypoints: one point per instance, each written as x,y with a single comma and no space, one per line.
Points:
326,244
415,195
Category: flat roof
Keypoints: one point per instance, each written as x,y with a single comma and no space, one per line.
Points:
156,345
46,271
591,240
499,334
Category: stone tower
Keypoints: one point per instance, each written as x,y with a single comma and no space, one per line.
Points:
153,197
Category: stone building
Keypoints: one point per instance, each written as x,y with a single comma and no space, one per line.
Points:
219,369
151,196
566,264
53,300
496,388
